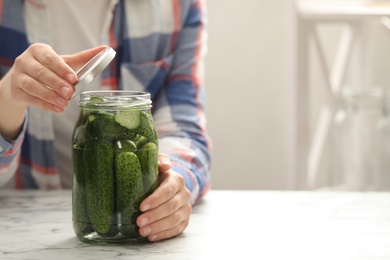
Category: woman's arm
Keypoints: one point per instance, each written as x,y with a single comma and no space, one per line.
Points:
38,77
180,108
180,121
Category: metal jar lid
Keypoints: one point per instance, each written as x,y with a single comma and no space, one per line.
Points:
92,68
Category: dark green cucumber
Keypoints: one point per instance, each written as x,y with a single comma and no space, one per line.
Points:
125,145
129,192
99,161
148,157
92,106
79,133
101,126
139,140
124,133
80,219
139,122
147,127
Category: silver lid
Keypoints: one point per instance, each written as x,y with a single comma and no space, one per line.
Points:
92,68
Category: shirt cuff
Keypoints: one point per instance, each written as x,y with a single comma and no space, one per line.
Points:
190,179
7,145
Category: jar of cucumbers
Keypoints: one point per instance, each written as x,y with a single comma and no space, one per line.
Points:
115,150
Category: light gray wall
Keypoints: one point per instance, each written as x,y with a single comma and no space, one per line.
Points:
246,78
249,84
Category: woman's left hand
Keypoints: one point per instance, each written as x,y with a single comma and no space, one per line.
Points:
166,212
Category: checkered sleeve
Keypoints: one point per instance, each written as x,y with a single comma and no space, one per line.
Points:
10,155
179,110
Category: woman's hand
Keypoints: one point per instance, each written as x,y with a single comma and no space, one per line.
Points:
42,78
39,77
166,212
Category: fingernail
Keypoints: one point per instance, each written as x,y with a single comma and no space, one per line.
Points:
65,91
58,109
163,160
70,78
152,238
147,231
61,101
144,221
146,207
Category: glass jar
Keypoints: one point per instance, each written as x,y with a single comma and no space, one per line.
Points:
356,146
115,150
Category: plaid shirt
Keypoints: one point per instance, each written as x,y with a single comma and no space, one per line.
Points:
160,47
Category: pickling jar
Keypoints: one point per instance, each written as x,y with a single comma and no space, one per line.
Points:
115,150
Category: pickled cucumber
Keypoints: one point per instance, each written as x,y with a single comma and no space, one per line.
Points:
128,118
125,145
95,100
81,223
139,122
101,126
148,157
129,192
99,160
139,140
147,127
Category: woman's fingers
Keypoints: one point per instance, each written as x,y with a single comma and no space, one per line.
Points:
77,60
42,78
33,92
169,226
164,162
167,210
46,56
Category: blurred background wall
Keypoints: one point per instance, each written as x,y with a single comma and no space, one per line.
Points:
249,81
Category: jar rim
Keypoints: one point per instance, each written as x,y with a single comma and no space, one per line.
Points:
114,98
110,93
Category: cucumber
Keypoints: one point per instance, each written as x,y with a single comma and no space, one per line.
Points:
80,219
92,106
148,157
147,127
139,140
95,100
129,192
125,145
80,135
128,118
123,133
101,126
99,159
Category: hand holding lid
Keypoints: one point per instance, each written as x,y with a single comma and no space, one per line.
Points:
92,68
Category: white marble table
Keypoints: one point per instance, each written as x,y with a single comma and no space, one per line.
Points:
225,225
